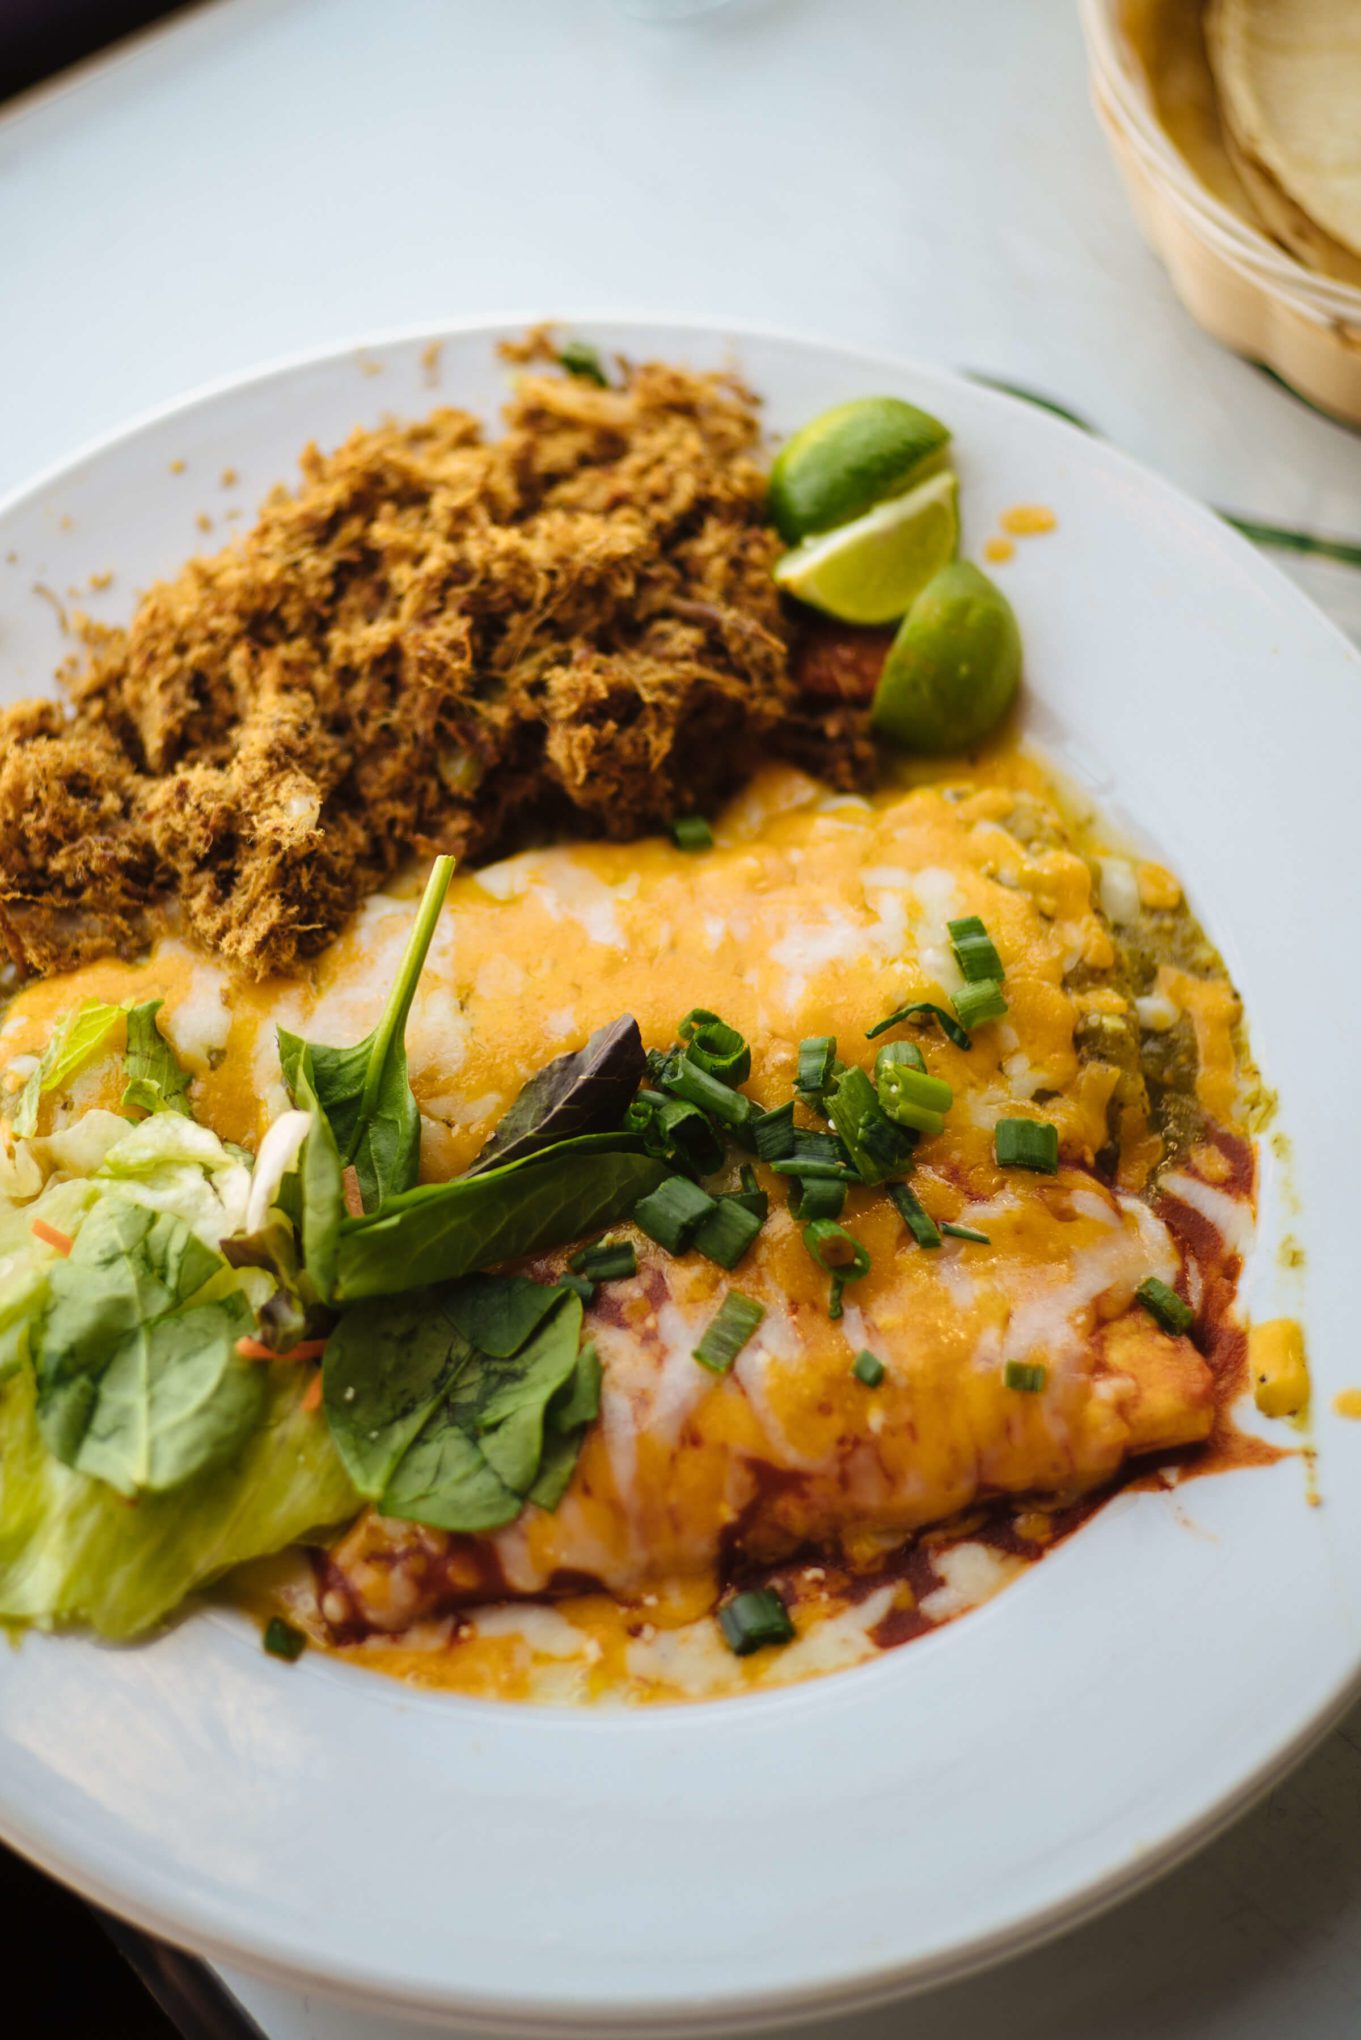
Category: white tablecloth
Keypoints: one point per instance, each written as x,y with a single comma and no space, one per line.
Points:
269,176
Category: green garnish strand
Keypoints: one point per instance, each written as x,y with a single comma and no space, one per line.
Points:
605,1261
1021,1374
868,1367
876,1146
838,1252
579,358
813,1169
974,950
817,1055
727,1232
578,1285
752,1195
728,1331
950,1027
773,1132
1027,1144
282,1640
715,1046
812,1145
692,832
905,1052
673,1213
965,1232
914,1215
913,1099
978,1002
752,1620
1165,1307
817,1197
685,1079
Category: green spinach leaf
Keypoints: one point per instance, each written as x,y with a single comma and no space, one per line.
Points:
588,1091
436,1429
135,1357
78,1035
364,1091
155,1080
497,1313
572,1410
445,1230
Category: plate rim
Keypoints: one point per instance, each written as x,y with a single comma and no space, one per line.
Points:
263,1956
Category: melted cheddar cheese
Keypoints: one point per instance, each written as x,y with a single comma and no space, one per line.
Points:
814,914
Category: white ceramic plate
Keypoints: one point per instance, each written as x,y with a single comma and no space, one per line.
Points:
696,1868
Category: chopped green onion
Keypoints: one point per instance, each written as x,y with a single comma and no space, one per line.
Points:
715,1046
950,1027
914,1215
685,1079
811,1169
728,1331
817,1197
282,1640
754,1619
1164,1306
675,1132
816,1056
887,1145
816,1101
979,1002
578,1285
965,1232
579,358
1022,1374
812,1145
692,832
606,1261
673,1212
911,1098
876,1146
752,1196
1027,1144
727,1232
905,1052
812,1153
773,1132
868,1367
974,951
840,1253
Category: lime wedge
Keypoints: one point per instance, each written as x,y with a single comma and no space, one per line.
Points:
952,672
848,459
869,571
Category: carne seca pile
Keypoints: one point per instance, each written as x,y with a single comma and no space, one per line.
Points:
434,643
640,1270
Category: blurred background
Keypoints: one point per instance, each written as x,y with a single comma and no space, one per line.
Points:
974,184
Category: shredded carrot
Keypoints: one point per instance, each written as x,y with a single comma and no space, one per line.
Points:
311,1399
50,1237
255,1349
354,1196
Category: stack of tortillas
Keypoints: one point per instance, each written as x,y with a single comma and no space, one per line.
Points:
1288,74
1236,125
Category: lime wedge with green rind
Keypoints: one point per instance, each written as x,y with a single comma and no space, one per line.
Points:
953,670
870,571
848,459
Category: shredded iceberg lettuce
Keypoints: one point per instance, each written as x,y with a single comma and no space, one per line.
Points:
72,1550
119,1378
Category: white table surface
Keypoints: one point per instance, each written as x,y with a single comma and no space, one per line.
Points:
269,176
